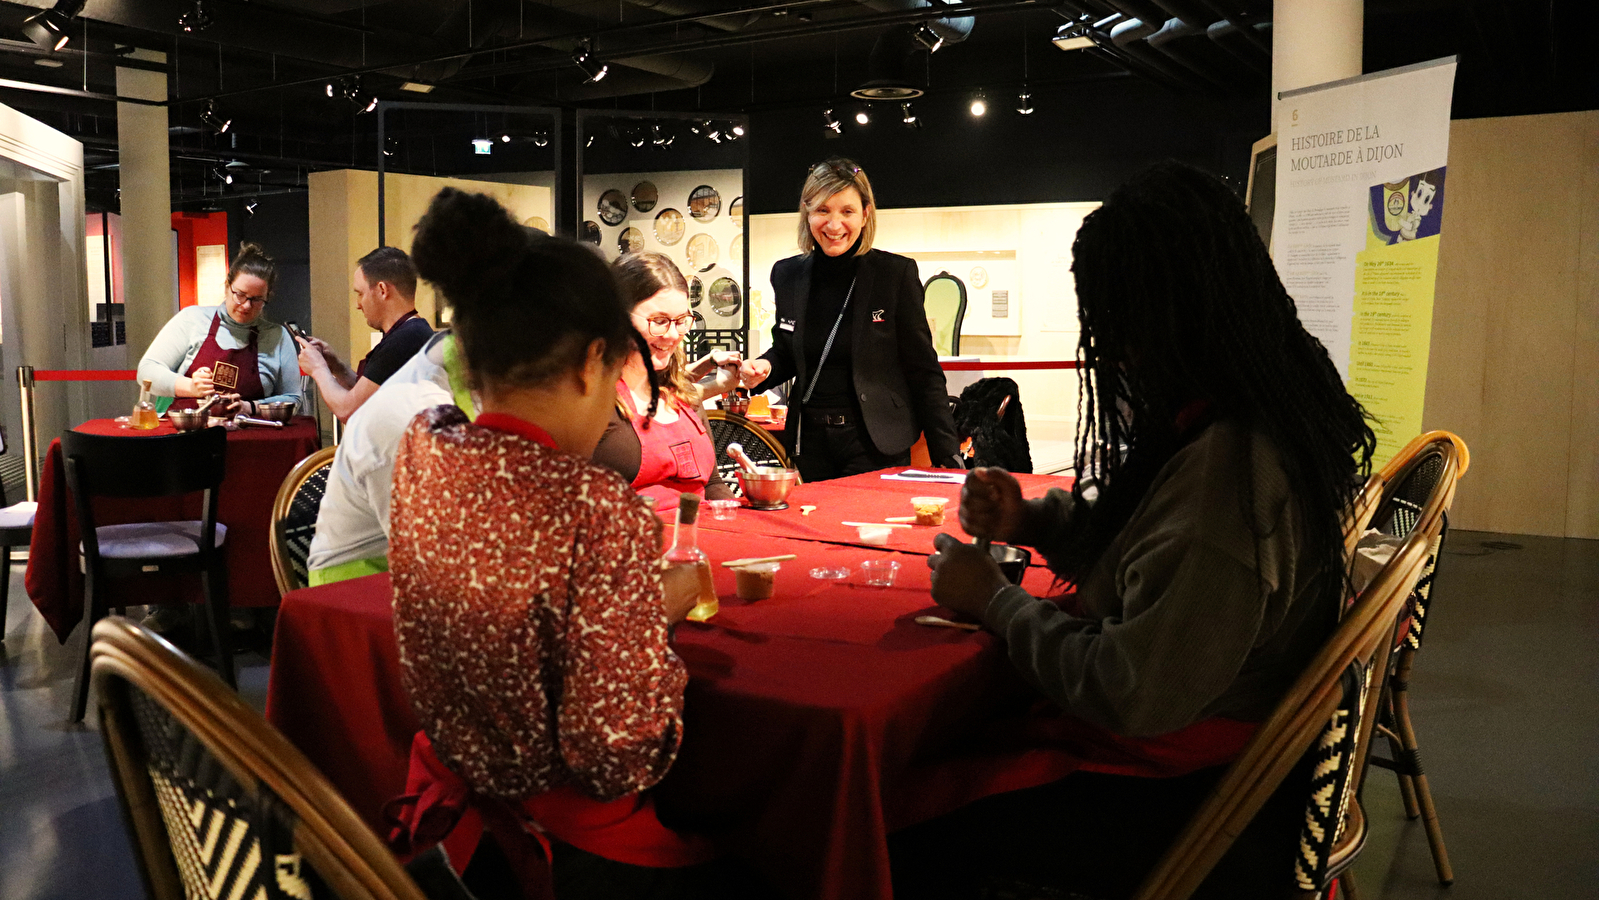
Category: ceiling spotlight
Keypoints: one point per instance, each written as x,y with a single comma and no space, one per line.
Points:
661,139
863,116
249,208
48,28
222,175
979,106
738,131
927,37
371,104
908,118
196,19
417,87
211,120
1080,35
482,146
391,146
1024,103
331,90
832,128
712,133
586,144
593,69
505,138
542,139
636,139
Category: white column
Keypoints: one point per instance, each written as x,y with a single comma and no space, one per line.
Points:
146,183
1312,42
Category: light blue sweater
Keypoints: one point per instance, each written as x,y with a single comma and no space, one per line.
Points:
179,342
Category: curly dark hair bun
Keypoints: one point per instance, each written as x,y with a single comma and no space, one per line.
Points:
252,259
467,245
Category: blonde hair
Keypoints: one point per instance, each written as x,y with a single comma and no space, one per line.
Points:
826,179
642,276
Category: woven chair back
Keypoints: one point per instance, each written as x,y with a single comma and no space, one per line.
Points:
759,445
294,515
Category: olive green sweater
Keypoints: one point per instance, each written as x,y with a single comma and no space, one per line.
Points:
1188,614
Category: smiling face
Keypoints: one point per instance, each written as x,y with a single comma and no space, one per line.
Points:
664,320
246,299
837,221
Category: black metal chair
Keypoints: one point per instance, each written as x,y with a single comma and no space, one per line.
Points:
149,467
759,445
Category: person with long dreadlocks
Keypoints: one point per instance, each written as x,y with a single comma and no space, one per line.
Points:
1209,568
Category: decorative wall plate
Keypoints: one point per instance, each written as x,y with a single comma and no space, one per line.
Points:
736,210
696,291
631,240
669,226
978,277
704,202
644,196
538,222
591,232
735,252
726,298
612,207
702,252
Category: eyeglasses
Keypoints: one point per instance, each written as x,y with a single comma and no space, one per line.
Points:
241,297
837,168
660,323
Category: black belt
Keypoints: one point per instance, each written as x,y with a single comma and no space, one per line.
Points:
830,417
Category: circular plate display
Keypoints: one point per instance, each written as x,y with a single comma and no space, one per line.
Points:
696,291
736,210
644,196
699,323
631,240
726,299
704,202
538,222
979,277
613,207
735,251
591,232
702,252
669,226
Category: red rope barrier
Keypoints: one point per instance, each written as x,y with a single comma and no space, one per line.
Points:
85,375
999,365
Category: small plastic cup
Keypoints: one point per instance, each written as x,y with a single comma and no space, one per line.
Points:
830,573
874,534
779,413
879,572
721,510
756,582
929,510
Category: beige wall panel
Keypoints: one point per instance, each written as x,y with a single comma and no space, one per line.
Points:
1582,512
1505,335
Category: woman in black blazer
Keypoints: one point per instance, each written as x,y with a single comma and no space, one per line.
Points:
857,311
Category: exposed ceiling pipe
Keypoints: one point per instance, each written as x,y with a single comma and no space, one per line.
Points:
952,29
1191,45
698,8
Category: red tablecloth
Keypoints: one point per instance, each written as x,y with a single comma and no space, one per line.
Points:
816,721
258,460
864,498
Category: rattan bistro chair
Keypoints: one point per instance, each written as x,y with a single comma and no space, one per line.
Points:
759,445
148,467
218,803
1409,480
294,515
1328,705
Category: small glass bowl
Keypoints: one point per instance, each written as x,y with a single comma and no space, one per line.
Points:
721,510
879,572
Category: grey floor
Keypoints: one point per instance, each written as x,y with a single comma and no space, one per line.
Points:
1506,701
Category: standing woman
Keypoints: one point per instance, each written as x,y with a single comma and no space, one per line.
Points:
852,333
667,451
230,349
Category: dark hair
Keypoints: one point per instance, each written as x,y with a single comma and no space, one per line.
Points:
1179,302
253,260
390,264
525,307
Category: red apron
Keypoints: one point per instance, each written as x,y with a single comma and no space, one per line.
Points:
672,458
439,807
233,371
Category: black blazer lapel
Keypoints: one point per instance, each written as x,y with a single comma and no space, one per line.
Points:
861,314
801,292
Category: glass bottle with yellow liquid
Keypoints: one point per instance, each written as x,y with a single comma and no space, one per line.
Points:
685,551
144,416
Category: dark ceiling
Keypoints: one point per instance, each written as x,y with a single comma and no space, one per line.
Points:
266,64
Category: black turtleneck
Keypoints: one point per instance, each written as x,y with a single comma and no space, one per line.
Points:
831,277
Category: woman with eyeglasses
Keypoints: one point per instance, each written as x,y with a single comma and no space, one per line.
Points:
669,451
231,350
852,334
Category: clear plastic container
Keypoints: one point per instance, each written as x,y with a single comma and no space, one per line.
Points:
879,572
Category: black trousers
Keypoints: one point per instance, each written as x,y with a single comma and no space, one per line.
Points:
833,451
1095,835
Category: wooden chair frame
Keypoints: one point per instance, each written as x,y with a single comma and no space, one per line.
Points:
1367,632
282,570
345,853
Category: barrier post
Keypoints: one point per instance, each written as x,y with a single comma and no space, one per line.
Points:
30,455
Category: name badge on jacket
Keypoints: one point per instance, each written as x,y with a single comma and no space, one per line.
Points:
785,324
